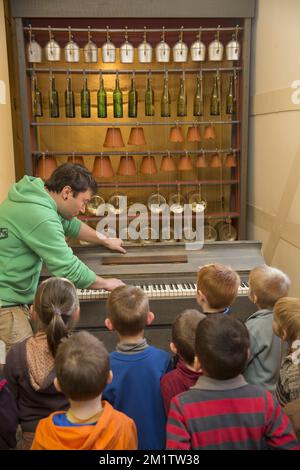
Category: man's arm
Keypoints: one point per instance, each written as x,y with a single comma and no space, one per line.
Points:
88,234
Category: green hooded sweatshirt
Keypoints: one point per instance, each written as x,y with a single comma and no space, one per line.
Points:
32,232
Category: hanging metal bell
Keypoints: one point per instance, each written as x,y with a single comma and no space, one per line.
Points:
108,50
233,49
34,50
126,51
90,50
72,51
52,48
162,50
180,50
145,51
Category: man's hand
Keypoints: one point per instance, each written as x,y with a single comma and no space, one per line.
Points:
114,244
111,284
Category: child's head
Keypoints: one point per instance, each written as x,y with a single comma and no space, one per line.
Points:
183,334
286,319
222,347
82,367
128,311
55,309
267,285
217,286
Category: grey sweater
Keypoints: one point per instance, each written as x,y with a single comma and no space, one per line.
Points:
266,351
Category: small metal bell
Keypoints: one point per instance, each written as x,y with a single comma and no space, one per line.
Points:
90,50
126,51
180,50
108,50
145,50
216,48
162,50
198,49
233,47
72,51
34,50
52,48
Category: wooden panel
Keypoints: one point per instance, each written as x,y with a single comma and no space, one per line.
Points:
133,8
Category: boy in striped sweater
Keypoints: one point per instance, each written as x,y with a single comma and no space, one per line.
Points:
222,411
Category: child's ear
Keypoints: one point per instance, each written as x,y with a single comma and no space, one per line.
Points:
200,297
108,324
252,297
197,364
248,354
284,335
110,377
173,348
75,315
150,318
57,385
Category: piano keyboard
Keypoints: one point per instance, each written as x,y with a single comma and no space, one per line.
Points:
187,289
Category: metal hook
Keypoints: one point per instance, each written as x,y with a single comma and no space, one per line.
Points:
70,33
89,34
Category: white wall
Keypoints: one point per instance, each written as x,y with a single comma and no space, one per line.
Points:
7,168
274,157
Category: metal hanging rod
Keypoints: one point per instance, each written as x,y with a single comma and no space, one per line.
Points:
129,124
39,153
168,183
132,30
128,72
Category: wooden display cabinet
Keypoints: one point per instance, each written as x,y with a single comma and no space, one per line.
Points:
223,188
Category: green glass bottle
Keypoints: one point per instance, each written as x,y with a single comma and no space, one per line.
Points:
166,100
37,100
53,100
182,99
231,98
132,100
149,99
118,99
101,100
85,100
215,98
69,100
198,98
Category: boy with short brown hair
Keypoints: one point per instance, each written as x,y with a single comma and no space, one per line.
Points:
217,288
137,367
82,371
183,346
266,286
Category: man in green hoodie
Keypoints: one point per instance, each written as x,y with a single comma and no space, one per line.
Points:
34,221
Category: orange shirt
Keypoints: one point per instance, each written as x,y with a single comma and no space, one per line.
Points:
113,431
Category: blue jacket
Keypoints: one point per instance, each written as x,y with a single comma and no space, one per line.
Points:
135,390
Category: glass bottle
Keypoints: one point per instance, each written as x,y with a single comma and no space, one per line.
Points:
53,99
37,100
149,99
118,99
215,98
101,100
132,100
69,100
85,100
166,99
198,98
231,98
182,99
